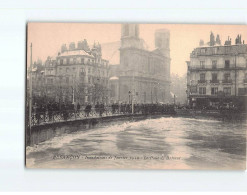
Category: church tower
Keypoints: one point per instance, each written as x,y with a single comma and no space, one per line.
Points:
162,44
162,41
130,36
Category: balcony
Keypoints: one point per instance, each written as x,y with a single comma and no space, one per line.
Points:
215,81
202,81
229,81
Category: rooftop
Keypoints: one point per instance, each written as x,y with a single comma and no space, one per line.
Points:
79,52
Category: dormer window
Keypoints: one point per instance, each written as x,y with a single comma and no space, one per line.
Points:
203,51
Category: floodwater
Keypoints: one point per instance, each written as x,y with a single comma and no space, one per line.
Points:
161,143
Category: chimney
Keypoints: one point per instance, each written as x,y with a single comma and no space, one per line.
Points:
228,41
72,46
63,48
212,40
218,41
201,43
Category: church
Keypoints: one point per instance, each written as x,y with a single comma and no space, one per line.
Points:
142,76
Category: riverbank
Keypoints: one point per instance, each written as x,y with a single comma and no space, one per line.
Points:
218,114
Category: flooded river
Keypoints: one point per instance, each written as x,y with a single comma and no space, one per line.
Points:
161,143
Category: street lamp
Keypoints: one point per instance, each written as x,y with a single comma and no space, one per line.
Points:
129,96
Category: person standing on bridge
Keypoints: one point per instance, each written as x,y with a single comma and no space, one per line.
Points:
78,107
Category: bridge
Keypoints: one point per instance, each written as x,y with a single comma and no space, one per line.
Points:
51,117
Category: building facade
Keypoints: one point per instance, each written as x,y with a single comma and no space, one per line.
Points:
38,81
217,74
78,74
142,76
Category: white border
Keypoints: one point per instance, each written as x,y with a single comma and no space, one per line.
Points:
15,15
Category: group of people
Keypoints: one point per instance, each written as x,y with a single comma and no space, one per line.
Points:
64,110
142,108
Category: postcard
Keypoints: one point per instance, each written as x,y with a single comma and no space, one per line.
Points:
136,96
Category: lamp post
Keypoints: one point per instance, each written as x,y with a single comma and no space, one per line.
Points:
235,74
129,96
133,92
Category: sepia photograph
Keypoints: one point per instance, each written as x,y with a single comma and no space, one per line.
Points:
136,96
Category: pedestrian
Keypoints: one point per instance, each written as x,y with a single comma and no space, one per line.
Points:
78,107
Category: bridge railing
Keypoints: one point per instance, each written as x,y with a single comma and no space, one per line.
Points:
48,117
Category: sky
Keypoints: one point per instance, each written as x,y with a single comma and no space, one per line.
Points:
47,38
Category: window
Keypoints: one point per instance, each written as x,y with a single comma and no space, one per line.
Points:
193,89
202,64
89,70
50,81
74,60
126,61
214,90
215,50
227,76
228,49
82,60
49,71
203,51
202,90
214,76
214,64
67,69
67,80
61,62
74,69
227,90
202,77
227,63
82,72
242,91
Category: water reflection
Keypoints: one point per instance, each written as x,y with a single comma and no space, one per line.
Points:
161,143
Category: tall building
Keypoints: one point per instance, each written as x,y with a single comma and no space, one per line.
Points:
38,78
142,76
217,74
77,75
